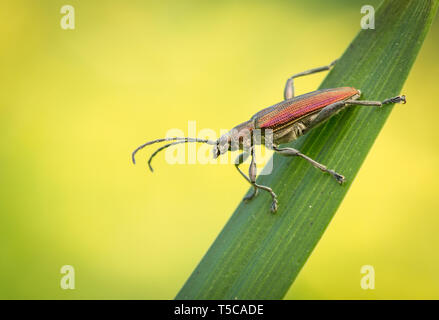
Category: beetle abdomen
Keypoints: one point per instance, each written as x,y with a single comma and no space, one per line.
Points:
290,110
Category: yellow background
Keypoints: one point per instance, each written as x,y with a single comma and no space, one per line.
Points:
74,104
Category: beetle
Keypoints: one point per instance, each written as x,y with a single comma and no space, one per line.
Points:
285,121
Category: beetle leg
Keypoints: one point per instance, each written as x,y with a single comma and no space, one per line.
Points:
289,86
326,113
252,179
293,152
397,99
331,109
252,174
239,160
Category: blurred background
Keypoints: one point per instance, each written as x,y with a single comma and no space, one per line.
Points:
75,103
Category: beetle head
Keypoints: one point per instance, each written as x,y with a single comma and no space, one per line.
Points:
222,145
238,138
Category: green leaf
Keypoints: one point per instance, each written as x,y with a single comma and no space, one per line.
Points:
258,255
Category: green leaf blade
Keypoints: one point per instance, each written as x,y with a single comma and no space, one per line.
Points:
258,255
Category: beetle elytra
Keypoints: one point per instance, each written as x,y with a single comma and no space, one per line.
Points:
287,120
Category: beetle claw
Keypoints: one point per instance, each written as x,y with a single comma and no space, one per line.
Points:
403,100
274,206
397,99
340,179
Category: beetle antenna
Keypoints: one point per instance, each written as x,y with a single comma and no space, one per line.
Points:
160,149
178,139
